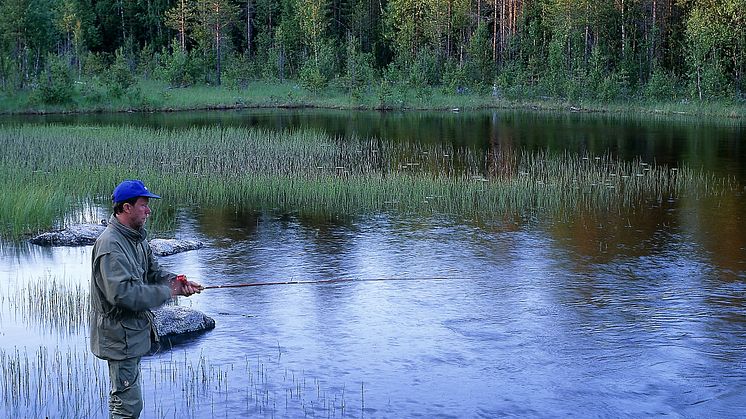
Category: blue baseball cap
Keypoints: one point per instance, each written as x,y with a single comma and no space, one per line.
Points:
131,189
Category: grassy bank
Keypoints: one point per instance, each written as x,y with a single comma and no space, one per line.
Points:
47,172
151,95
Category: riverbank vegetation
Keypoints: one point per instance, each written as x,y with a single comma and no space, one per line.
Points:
665,56
48,172
53,381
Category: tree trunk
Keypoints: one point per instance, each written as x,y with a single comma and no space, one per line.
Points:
502,29
248,27
587,34
494,32
449,29
281,64
217,40
653,37
624,35
182,27
121,16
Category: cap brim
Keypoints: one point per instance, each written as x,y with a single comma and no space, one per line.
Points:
151,195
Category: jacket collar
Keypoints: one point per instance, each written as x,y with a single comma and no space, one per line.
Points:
127,231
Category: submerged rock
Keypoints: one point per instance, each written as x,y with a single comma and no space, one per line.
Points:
86,235
166,247
75,235
177,321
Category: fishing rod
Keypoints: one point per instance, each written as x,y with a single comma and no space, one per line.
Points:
183,279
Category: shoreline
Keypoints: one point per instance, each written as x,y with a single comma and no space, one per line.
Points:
262,95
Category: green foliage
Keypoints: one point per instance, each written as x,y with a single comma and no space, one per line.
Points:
178,68
577,49
56,84
317,71
95,65
119,77
148,61
708,35
237,72
425,70
710,82
555,77
611,87
359,70
454,76
311,77
661,86
308,171
479,65
511,74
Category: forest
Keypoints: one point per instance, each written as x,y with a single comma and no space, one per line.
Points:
604,50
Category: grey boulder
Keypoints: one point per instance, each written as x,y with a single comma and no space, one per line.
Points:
86,235
75,235
166,247
173,321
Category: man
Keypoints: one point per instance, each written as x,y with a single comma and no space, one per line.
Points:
126,283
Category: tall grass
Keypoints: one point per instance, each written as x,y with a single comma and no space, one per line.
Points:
53,382
70,383
57,304
47,171
151,95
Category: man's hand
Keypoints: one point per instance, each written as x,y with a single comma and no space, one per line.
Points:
181,286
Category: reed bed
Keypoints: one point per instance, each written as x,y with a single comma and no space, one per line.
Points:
53,383
48,171
55,305
72,383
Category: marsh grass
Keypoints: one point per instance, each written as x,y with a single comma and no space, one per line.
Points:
49,171
52,383
72,383
153,95
68,382
59,305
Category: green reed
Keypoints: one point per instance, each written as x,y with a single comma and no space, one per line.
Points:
54,382
55,304
47,171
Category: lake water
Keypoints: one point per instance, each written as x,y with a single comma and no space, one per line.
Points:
635,313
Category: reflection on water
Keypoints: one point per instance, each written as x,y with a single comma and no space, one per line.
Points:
632,313
533,320
716,145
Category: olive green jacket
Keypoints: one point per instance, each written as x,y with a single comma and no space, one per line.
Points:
126,283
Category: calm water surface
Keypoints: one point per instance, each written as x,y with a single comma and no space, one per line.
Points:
635,313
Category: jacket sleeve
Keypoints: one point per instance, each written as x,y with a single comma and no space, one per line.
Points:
156,274
124,288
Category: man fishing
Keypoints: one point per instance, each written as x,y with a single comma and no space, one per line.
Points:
126,283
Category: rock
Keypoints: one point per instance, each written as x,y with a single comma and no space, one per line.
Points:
177,321
166,247
86,235
75,235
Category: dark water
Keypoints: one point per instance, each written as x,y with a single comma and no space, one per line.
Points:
631,314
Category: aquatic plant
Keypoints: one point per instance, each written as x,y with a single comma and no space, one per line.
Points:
49,171
56,304
51,382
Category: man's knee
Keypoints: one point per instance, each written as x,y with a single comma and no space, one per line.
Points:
125,397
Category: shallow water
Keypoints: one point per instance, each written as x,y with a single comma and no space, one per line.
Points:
630,314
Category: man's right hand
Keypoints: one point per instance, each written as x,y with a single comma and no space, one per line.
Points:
182,286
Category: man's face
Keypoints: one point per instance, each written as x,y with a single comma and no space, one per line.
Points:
138,213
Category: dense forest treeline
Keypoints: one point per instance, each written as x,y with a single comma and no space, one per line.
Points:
606,50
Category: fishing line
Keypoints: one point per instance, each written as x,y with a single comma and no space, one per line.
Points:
327,281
